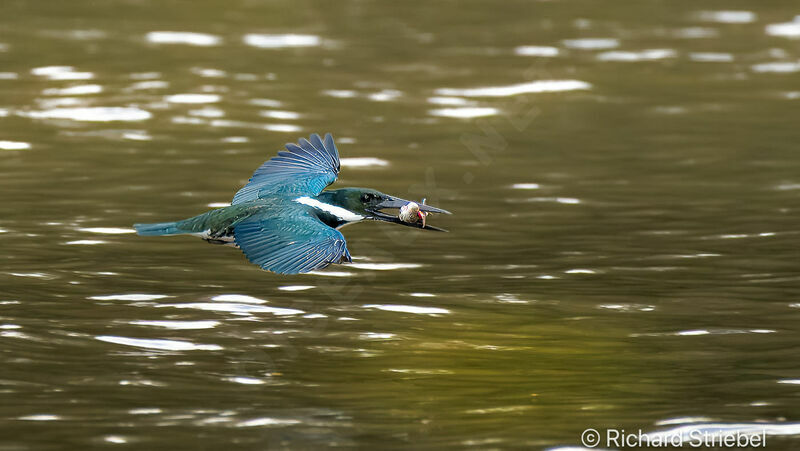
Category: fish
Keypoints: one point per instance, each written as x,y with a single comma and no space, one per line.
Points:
411,213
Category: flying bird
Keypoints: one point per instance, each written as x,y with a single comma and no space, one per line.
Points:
282,219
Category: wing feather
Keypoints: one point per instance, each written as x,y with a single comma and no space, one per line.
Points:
304,169
290,244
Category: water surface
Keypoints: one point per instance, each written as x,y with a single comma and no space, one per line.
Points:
623,250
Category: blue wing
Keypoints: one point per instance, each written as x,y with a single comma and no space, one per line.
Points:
304,169
290,244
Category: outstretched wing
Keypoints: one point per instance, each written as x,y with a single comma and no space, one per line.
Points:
290,244
305,169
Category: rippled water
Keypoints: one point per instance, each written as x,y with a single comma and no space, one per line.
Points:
623,251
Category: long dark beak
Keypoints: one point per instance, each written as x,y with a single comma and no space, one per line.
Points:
394,202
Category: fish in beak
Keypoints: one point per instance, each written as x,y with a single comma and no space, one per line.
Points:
411,214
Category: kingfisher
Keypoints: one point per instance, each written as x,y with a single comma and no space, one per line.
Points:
285,221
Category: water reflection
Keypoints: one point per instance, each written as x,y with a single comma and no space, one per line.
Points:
536,50
192,98
14,145
183,37
591,43
717,432
786,29
644,55
409,309
632,244
517,89
465,112
61,73
240,309
278,41
733,17
178,325
159,344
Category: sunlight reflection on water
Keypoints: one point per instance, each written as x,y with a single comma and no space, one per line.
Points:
630,244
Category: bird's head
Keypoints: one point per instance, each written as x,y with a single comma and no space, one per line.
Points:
370,204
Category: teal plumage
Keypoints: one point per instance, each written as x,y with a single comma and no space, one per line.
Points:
282,220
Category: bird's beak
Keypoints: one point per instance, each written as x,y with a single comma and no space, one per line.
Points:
393,202
397,203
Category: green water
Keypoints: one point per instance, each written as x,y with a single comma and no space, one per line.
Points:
623,251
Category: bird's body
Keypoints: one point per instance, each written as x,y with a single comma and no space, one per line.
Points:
282,220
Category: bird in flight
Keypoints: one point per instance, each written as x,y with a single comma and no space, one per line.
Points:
282,219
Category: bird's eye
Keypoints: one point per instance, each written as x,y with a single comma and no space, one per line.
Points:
366,197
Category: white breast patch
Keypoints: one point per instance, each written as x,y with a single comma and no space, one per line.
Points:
342,213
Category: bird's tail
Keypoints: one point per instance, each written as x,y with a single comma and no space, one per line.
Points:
159,228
